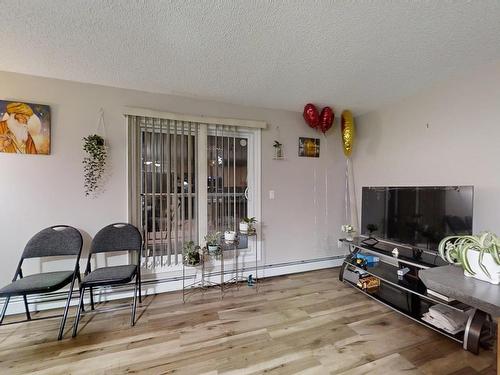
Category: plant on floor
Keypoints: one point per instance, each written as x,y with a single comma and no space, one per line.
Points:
94,163
192,256
460,249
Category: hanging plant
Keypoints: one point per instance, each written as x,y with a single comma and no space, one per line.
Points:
94,163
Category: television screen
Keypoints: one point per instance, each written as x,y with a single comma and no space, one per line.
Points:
418,216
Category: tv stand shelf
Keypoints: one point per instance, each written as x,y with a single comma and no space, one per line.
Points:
459,337
388,273
406,295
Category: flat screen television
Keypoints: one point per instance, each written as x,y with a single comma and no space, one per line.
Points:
419,216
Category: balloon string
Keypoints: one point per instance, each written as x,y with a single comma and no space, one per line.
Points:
351,210
326,186
346,195
353,203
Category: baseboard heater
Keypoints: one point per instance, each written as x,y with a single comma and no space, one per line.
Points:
61,296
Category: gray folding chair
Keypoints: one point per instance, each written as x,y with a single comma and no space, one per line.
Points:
59,240
112,238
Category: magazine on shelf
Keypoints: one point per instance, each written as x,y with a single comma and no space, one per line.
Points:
439,295
447,319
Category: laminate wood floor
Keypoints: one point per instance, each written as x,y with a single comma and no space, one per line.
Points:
307,323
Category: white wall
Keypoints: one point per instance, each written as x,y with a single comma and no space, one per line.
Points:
39,191
446,135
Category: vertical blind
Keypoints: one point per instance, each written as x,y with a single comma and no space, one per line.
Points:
164,178
165,186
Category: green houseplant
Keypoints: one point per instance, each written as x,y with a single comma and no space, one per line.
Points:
94,163
348,229
247,225
192,256
212,239
479,255
371,228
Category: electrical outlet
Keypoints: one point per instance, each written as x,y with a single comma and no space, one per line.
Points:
339,244
271,194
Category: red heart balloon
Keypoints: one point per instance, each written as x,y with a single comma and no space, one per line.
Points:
326,119
311,115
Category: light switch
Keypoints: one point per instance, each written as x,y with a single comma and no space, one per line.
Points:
271,194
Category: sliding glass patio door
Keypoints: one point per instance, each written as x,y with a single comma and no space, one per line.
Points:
173,200
228,189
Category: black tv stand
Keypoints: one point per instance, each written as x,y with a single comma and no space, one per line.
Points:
370,241
406,295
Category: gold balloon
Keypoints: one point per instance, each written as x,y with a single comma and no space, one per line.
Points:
348,132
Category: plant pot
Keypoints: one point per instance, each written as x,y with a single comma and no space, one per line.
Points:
229,235
349,237
243,227
212,248
488,262
192,262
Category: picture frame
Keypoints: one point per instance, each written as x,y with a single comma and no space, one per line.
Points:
309,147
24,128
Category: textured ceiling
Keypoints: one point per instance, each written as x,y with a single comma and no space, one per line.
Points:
275,54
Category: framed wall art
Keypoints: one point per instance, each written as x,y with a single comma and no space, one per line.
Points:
24,128
309,147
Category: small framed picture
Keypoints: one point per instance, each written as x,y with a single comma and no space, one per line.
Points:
24,128
309,147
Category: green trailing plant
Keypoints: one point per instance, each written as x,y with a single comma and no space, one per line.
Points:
94,163
192,256
454,249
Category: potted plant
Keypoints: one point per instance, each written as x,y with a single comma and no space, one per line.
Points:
371,228
94,163
192,256
247,225
212,239
230,235
478,255
348,230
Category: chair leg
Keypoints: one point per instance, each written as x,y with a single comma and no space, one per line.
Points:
4,309
28,315
91,299
134,305
140,288
66,309
79,283
78,311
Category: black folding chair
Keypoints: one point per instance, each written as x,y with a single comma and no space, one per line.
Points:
59,240
112,238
